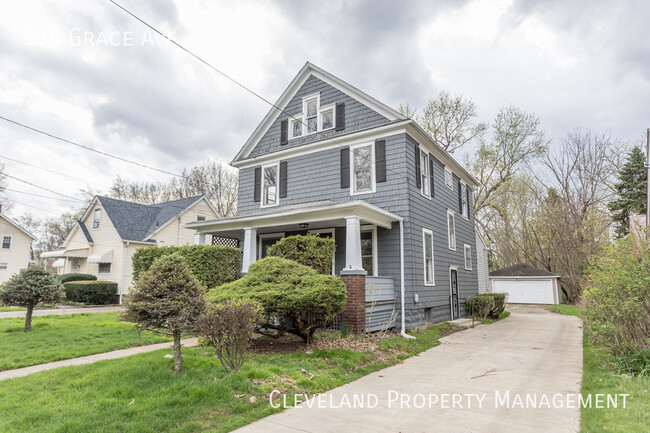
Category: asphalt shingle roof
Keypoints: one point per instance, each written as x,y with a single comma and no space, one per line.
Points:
135,221
84,230
522,270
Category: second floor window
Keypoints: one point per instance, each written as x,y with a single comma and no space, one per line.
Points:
463,198
6,242
96,215
424,174
449,179
362,168
270,185
428,257
468,257
451,227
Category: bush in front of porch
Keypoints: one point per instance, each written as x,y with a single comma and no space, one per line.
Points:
309,250
295,298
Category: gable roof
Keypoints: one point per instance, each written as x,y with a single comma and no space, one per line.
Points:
522,270
136,222
84,229
308,70
18,226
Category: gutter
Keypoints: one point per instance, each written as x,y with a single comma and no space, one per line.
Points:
401,266
126,245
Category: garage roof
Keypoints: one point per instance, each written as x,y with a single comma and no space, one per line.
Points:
522,270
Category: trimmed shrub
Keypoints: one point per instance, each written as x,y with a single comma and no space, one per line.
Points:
91,292
76,277
486,305
295,298
227,327
616,309
309,250
211,265
499,304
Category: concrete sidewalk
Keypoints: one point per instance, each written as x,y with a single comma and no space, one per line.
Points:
63,309
532,353
19,372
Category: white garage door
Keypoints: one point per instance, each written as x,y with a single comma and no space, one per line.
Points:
525,291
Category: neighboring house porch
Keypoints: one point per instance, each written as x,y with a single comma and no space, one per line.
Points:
360,230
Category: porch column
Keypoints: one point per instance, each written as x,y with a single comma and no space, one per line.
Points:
353,244
199,238
250,248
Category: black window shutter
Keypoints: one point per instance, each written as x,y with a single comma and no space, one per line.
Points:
418,169
380,160
345,167
431,176
468,202
340,116
257,193
460,198
283,179
284,133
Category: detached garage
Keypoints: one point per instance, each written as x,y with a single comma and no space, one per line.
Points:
525,284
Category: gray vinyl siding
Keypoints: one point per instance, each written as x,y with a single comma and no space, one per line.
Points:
357,116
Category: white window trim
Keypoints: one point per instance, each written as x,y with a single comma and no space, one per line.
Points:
5,267
198,215
292,119
452,215
305,122
277,186
104,273
465,248
278,236
375,258
99,220
302,117
11,242
449,184
333,232
451,304
425,233
320,117
424,180
463,199
373,179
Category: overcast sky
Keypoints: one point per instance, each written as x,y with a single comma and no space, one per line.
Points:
86,71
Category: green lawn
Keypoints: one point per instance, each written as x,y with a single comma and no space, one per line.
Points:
4,308
57,337
600,378
142,394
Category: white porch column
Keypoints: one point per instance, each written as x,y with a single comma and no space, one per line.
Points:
353,244
250,248
199,238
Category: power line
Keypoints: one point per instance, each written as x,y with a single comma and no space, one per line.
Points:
89,148
52,171
34,207
38,195
41,187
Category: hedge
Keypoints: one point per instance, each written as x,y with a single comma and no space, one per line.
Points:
91,292
309,250
486,305
76,277
211,265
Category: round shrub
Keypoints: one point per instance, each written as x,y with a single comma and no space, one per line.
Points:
309,250
294,297
76,277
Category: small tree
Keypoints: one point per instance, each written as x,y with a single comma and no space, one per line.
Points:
166,299
228,328
631,191
30,287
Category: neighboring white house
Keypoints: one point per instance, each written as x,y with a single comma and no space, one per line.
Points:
525,284
110,231
482,264
15,243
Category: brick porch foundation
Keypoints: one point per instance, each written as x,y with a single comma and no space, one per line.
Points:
354,313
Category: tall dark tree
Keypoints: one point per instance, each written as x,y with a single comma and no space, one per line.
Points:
631,190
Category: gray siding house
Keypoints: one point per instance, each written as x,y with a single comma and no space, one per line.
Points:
334,161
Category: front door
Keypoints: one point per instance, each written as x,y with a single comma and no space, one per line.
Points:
455,311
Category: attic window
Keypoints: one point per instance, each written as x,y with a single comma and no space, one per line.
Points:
96,216
312,114
313,118
296,127
201,217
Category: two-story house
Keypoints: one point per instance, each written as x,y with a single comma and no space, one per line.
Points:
15,244
104,240
332,160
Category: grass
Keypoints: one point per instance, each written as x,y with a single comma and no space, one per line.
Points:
57,337
502,316
599,377
4,308
141,393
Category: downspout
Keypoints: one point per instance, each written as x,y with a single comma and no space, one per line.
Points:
126,245
401,266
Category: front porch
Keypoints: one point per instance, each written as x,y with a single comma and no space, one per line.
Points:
354,226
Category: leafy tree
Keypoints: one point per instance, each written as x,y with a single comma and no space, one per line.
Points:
4,202
166,299
30,287
631,190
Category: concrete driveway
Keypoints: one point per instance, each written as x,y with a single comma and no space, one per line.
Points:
531,355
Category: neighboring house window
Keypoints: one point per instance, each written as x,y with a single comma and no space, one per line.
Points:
313,118
468,257
449,179
463,197
201,218
427,242
4,266
368,253
104,268
424,175
363,170
6,242
96,216
270,185
451,229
